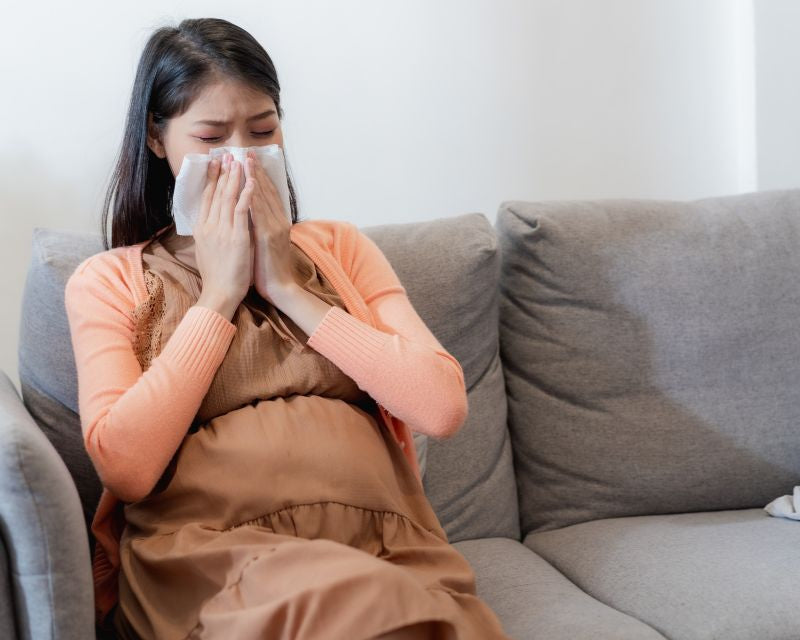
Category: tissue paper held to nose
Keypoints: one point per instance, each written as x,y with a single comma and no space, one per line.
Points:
191,181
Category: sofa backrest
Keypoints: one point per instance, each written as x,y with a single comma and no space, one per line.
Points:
46,363
651,350
450,268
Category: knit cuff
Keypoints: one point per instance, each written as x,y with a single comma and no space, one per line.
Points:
200,341
348,342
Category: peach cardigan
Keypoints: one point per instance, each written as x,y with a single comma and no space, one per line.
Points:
133,421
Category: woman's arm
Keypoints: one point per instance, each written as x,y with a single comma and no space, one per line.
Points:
400,364
134,421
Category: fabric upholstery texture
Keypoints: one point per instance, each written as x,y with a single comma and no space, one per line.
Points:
455,292
534,600
651,353
45,550
727,574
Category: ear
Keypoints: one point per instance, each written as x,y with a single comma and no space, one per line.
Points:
154,138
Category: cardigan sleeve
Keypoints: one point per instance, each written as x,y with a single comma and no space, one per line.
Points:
132,421
401,364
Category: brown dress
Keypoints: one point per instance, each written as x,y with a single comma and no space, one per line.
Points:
288,511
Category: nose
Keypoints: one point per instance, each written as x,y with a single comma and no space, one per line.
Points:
237,140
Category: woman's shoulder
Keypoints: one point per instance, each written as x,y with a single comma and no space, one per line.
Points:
324,231
342,239
357,254
114,270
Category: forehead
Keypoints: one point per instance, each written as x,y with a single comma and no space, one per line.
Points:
229,101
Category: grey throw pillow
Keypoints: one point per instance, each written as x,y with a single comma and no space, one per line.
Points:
652,354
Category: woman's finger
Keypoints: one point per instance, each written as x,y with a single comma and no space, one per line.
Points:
263,177
264,183
241,212
216,201
270,193
231,193
262,187
249,170
208,192
252,170
258,202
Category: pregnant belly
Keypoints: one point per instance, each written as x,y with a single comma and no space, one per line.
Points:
271,455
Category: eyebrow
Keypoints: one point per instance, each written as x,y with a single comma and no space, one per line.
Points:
266,113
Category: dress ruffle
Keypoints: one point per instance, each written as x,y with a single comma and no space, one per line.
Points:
319,570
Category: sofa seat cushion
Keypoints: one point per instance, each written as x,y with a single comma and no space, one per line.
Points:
731,574
534,600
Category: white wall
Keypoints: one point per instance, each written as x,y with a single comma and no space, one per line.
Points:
778,93
403,111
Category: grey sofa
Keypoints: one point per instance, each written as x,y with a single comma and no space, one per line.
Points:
633,369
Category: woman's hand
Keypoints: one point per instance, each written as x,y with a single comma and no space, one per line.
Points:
223,246
273,265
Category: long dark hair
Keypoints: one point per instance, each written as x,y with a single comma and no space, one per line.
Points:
177,63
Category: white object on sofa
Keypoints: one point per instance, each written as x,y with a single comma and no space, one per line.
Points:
786,506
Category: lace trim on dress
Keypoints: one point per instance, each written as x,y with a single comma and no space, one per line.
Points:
148,317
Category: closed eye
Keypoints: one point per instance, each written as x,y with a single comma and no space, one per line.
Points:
259,133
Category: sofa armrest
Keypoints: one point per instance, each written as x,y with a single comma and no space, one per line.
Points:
7,616
42,529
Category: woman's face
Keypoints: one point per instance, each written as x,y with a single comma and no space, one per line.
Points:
226,114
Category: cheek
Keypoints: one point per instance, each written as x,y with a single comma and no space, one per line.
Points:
175,160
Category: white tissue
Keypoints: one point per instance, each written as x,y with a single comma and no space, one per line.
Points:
191,181
786,506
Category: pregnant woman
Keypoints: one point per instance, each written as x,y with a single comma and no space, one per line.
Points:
247,396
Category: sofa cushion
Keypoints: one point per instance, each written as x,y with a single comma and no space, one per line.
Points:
534,600
652,354
48,380
44,540
470,500
7,615
720,574
450,268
